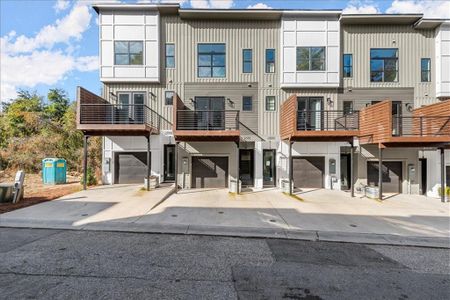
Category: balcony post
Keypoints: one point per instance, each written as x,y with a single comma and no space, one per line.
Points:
237,169
85,158
352,170
148,163
421,126
176,167
380,172
442,175
291,173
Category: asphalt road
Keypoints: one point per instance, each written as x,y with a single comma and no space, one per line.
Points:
62,264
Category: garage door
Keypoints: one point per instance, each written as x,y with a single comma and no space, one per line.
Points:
392,175
130,167
209,172
308,171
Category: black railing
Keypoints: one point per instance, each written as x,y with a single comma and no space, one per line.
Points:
207,120
327,120
119,114
420,126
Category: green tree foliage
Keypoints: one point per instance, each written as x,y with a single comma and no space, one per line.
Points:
58,104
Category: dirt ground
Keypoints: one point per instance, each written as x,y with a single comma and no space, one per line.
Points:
36,192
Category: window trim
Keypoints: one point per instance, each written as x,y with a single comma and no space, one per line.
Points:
310,60
244,61
165,97
242,107
274,103
428,70
344,66
398,65
211,58
166,56
129,41
266,61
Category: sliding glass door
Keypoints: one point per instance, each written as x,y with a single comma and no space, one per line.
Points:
309,110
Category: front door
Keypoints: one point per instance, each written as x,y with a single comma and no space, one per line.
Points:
269,178
246,160
423,177
210,113
309,111
138,108
169,162
345,171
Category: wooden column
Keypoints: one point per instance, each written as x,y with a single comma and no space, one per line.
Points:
176,167
380,172
352,170
291,173
442,175
148,162
85,160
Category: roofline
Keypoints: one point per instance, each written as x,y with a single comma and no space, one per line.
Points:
134,6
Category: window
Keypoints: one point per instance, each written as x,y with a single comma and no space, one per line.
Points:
270,60
270,103
247,61
383,65
211,60
170,56
347,107
310,58
348,65
128,53
247,103
425,69
169,97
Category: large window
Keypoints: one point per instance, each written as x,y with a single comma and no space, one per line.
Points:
270,103
270,60
310,58
170,56
247,103
383,65
211,60
348,65
247,61
128,53
347,107
425,69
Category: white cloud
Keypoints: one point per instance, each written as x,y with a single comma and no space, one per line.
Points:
259,5
224,4
61,5
430,9
361,7
181,2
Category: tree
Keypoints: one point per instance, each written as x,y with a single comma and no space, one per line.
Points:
58,104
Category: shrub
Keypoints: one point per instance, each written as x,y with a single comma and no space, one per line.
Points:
91,179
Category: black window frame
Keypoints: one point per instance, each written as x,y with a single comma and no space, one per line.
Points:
274,104
428,71
170,56
165,97
384,59
246,61
128,53
344,108
269,62
212,66
349,67
244,108
310,59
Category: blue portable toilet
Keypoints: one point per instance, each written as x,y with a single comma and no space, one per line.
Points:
54,170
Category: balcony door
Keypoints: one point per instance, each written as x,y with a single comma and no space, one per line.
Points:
130,108
309,113
210,113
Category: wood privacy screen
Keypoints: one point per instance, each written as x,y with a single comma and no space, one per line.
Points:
288,117
375,123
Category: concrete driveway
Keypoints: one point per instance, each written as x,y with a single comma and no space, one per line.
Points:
313,215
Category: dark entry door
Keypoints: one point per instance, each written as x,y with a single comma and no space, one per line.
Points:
345,171
169,162
309,113
392,175
423,175
130,167
269,168
209,172
210,113
246,162
308,171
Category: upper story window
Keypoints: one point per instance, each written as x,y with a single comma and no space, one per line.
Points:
347,107
247,61
211,60
169,97
270,103
128,53
384,65
270,60
348,65
425,70
310,58
247,103
170,56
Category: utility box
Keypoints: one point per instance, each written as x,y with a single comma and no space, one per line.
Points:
54,170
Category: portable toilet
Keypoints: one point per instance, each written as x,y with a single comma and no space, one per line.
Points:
54,170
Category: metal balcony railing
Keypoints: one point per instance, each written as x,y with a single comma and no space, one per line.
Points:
207,119
119,114
420,126
327,120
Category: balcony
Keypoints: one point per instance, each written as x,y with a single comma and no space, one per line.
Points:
204,125
96,116
317,125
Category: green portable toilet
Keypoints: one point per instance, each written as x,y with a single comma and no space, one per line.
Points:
54,170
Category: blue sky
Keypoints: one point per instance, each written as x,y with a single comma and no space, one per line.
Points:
54,43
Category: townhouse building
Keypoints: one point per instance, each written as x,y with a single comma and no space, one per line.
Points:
267,98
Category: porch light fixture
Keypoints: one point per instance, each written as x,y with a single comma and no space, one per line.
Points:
230,102
409,107
152,95
329,102
112,94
